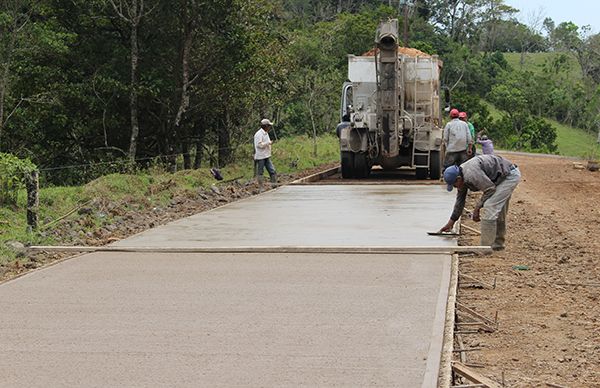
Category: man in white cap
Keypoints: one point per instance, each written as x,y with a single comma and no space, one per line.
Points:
262,152
497,178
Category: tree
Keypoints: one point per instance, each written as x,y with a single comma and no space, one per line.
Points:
495,11
15,16
132,12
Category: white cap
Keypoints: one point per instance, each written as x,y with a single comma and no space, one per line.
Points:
266,122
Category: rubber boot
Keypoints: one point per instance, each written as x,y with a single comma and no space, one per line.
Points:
260,179
274,179
501,228
488,232
498,244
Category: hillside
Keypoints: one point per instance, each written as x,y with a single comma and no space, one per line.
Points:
534,61
570,141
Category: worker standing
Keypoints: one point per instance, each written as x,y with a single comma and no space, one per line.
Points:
262,152
462,116
497,178
487,145
457,140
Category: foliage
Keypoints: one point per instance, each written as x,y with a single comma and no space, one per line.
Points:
13,173
209,71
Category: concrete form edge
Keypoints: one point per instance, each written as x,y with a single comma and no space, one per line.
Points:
445,376
271,249
317,176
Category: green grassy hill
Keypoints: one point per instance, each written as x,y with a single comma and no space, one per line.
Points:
534,61
570,141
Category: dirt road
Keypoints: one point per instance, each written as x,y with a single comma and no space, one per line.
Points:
549,315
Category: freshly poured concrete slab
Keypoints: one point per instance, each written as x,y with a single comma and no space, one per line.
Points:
386,215
210,320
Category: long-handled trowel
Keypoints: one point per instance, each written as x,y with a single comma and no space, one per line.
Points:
444,234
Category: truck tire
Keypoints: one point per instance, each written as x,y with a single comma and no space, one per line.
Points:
347,164
434,165
421,172
361,165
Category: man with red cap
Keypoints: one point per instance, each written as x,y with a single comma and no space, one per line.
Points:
458,140
462,116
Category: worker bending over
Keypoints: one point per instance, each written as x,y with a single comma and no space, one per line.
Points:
497,178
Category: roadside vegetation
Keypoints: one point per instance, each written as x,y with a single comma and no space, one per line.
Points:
101,202
104,81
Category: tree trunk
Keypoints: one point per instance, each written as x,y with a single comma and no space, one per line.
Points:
185,96
171,153
187,158
185,67
135,129
224,146
33,200
314,128
199,146
3,87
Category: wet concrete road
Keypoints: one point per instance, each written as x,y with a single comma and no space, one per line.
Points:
147,320
384,215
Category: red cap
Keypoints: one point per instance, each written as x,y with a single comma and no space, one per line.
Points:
462,115
454,113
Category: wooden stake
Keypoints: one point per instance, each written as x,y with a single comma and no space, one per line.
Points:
471,375
56,221
470,229
579,284
555,385
475,280
32,183
475,314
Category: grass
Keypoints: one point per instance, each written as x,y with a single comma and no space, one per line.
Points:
574,141
569,140
534,61
154,187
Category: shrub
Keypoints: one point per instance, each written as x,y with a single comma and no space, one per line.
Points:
13,173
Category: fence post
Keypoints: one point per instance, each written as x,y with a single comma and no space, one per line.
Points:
33,200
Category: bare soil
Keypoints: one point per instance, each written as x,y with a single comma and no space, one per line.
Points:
549,307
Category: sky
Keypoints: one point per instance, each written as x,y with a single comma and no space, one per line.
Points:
580,12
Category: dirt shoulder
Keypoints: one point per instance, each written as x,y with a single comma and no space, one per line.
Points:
549,310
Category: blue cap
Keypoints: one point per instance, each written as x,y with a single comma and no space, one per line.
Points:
450,175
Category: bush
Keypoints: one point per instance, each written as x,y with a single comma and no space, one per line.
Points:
13,172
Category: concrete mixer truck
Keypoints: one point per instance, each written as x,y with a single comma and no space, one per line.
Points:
392,104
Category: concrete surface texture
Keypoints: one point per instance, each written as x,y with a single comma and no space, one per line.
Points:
225,320
205,320
384,215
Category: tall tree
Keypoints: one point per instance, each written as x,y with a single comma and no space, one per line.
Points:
132,12
15,15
